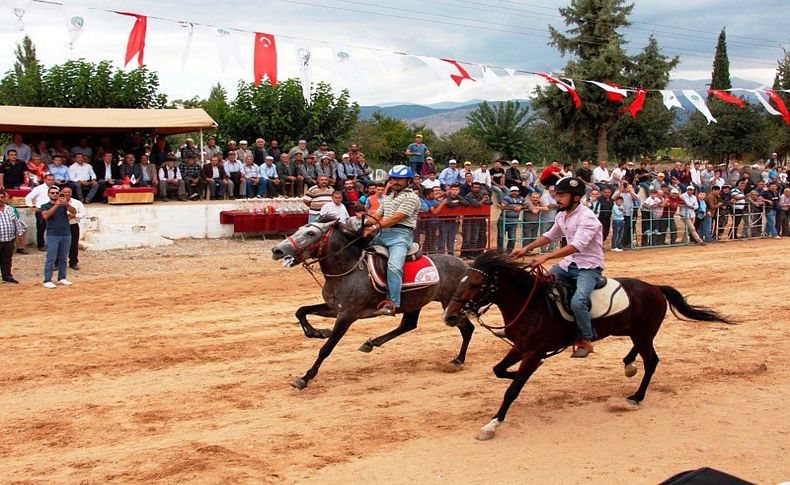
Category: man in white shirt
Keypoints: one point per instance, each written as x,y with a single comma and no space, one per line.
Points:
335,209
23,152
170,178
696,174
687,213
74,226
601,175
482,175
233,167
254,184
83,178
34,200
431,181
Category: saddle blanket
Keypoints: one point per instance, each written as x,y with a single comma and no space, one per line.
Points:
417,274
606,302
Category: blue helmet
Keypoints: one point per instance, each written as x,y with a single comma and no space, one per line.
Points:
401,172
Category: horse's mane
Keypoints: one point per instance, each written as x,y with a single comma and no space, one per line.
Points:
520,274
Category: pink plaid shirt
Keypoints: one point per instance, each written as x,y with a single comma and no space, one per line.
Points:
583,231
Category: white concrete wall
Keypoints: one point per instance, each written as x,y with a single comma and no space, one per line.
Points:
145,225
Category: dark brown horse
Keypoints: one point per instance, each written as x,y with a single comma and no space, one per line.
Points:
534,325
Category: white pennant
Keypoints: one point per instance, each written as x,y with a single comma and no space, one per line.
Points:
695,99
346,65
20,9
187,42
227,48
511,81
443,70
305,62
491,82
75,23
610,89
770,109
670,100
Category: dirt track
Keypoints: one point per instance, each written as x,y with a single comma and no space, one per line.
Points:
159,367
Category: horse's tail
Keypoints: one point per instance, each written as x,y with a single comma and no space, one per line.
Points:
678,304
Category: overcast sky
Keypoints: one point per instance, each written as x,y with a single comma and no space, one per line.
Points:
508,33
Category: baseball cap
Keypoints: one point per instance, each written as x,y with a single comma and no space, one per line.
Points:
515,189
243,142
528,163
674,191
467,163
691,187
452,161
514,162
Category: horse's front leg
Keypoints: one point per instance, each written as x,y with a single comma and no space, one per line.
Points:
530,361
341,326
322,310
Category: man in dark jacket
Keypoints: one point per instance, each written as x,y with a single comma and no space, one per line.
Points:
216,178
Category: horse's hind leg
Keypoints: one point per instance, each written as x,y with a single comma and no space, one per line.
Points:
650,359
467,329
407,323
628,361
322,310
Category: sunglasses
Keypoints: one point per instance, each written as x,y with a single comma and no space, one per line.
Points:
54,193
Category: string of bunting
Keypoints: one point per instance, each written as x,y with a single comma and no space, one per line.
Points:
265,63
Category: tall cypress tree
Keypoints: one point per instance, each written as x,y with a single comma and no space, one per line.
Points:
720,77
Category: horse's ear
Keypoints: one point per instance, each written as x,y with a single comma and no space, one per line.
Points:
349,227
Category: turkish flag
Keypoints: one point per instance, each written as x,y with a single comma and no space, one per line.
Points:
136,42
563,86
779,104
638,103
725,96
265,58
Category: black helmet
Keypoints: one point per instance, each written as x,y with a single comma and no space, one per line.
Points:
570,185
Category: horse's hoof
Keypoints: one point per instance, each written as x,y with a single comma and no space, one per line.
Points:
630,401
299,383
366,347
457,362
630,369
485,435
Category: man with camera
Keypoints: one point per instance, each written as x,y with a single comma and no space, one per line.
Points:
57,212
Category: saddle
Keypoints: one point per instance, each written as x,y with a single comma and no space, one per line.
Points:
418,271
607,299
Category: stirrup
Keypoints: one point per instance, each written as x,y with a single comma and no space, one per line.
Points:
386,308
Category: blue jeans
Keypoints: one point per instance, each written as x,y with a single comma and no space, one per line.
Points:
705,229
617,235
262,183
497,193
580,303
397,240
57,252
770,222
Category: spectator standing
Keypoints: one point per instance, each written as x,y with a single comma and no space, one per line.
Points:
59,149
755,205
738,201
23,151
316,196
84,179
34,200
273,150
335,209
475,229
618,223
417,152
136,146
704,217
450,223
482,175
601,177
354,154
300,147
548,216
771,198
428,167
170,178
230,148
687,213
74,227
82,148
631,203
649,206
784,212
713,204
512,206
605,210
532,214
190,150
513,178
323,151
352,198
10,230
212,149
451,175
57,214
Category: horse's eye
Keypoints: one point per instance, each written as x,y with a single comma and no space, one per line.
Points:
311,233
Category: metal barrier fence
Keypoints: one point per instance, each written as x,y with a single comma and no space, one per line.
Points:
460,231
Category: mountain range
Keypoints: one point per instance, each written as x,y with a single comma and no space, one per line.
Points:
445,118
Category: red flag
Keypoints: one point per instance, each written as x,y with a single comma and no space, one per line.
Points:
265,58
779,104
725,96
614,95
563,87
455,77
136,42
638,103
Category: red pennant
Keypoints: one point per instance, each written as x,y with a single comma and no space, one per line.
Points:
725,96
563,86
136,42
779,104
638,103
455,77
613,96
265,58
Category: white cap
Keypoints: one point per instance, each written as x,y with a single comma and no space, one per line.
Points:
756,165
346,155
674,191
514,161
243,142
268,157
452,161
514,188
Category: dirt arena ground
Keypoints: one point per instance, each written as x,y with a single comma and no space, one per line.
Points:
173,364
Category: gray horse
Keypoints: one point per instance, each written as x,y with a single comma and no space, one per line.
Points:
348,292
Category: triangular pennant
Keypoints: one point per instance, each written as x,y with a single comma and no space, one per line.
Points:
699,103
75,23
727,97
265,60
638,103
577,101
491,82
463,74
305,62
770,109
779,104
670,100
187,42
227,48
136,43
615,92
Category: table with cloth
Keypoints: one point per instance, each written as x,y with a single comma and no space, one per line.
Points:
16,197
130,195
245,222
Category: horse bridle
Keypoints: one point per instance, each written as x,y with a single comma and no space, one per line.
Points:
322,242
487,290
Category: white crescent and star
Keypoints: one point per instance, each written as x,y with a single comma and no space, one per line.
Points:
265,42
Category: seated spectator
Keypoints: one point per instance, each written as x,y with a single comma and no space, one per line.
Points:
256,185
351,198
37,170
286,170
106,170
105,146
189,150
232,148
217,180
43,153
373,200
131,172
531,178
160,151
13,172
346,168
243,151
259,152
170,180
335,208
498,181
328,170
135,146
233,168
22,150
59,149
466,187
428,167
310,172
150,172
482,175
299,164
82,148
316,196
194,183
84,179
61,172
273,181
301,147
513,178
364,172
273,150
551,174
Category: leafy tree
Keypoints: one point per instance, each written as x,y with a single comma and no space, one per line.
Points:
22,86
739,131
384,139
778,132
461,145
502,129
280,112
